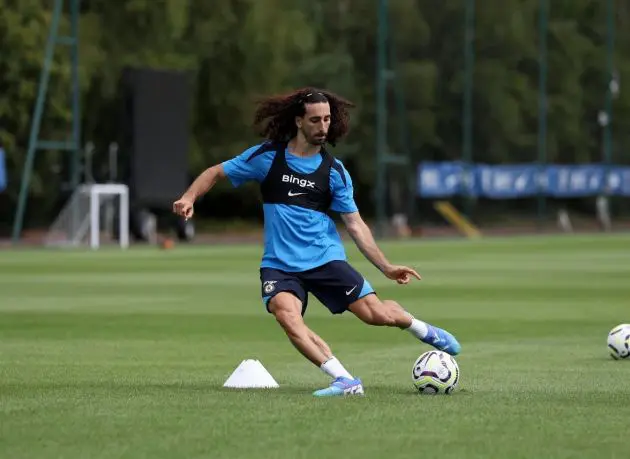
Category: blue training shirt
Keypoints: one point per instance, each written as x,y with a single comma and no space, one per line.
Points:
296,239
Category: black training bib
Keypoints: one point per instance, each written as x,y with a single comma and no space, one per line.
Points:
283,185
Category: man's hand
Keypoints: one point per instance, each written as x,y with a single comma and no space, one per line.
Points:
184,208
401,274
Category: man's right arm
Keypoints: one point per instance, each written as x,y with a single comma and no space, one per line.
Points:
204,183
184,206
239,170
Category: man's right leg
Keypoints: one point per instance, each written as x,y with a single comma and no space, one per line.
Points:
287,309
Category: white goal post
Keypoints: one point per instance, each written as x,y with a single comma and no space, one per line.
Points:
88,211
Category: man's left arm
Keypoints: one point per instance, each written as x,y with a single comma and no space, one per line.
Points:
362,236
343,202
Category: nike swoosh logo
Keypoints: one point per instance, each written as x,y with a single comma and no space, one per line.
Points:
351,290
291,193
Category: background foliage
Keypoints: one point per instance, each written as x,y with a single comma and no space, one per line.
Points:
239,49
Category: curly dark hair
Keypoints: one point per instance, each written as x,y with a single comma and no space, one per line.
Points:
275,115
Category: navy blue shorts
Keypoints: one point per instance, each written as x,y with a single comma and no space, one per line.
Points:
336,285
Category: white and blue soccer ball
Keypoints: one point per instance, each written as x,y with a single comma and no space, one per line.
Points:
619,342
435,372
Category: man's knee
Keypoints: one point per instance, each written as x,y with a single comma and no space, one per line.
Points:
371,310
286,308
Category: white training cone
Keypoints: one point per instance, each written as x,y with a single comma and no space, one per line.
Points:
250,374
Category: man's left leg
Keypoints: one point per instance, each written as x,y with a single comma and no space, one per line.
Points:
340,287
371,310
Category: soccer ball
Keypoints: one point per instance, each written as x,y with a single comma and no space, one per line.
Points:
435,372
619,342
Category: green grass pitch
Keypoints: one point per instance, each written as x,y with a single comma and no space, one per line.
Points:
123,355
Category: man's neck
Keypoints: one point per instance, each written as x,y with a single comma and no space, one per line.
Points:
300,147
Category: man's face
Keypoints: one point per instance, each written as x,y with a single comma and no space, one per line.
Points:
315,123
